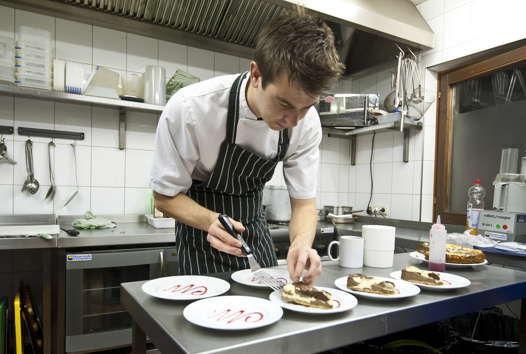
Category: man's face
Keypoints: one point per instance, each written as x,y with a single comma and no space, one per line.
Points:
281,104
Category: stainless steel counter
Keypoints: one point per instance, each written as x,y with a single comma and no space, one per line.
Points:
164,323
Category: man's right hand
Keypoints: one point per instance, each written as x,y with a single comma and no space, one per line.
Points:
222,241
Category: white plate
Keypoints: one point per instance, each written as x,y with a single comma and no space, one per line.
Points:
405,289
419,256
185,287
343,302
232,312
451,281
246,277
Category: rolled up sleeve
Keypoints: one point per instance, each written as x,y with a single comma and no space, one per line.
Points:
300,169
176,149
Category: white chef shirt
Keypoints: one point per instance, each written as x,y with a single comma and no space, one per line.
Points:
193,126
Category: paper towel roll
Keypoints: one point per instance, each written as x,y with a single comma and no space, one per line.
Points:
378,237
378,259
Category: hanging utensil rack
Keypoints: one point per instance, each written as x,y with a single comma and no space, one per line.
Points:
6,130
53,134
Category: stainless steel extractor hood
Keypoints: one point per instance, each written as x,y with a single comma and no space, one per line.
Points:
365,29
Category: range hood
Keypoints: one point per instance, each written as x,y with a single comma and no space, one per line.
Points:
365,29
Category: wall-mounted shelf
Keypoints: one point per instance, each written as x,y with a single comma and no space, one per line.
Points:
390,126
122,105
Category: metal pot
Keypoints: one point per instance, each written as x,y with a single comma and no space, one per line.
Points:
277,202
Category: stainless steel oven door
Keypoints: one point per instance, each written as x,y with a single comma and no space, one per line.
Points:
95,318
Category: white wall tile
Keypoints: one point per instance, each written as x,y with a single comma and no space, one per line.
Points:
76,118
427,208
105,123
352,178
453,4
6,169
140,130
201,63
363,179
109,48
140,52
6,110
225,64
31,113
107,168
402,180
136,200
74,41
345,151
244,65
458,25
429,142
343,179
402,206
383,176
417,176
329,178
416,208
40,163
416,143
437,25
428,177
328,198
172,56
65,165
106,201
363,149
330,150
382,200
25,203
383,147
361,201
78,205
138,167
431,8
6,195
7,22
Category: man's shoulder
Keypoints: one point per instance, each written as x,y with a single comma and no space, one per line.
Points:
213,86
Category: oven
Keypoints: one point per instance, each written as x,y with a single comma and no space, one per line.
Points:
95,318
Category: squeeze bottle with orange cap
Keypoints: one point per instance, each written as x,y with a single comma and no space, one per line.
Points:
437,247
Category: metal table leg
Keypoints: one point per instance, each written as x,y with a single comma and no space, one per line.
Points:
138,339
522,335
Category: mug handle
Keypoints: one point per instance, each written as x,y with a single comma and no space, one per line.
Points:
329,250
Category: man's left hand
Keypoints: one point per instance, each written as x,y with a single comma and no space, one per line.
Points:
302,258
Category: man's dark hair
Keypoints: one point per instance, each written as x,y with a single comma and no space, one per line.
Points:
302,46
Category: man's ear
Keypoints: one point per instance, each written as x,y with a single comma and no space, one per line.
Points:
255,75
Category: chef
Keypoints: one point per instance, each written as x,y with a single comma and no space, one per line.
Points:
219,141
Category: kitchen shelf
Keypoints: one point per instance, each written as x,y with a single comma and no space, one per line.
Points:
389,126
123,106
74,98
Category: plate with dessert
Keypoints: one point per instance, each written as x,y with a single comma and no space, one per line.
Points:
246,277
185,287
233,312
300,297
431,280
376,287
456,256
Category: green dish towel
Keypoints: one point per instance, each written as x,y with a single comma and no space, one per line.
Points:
90,222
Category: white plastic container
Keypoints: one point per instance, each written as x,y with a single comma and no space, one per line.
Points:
437,247
161,223
379,245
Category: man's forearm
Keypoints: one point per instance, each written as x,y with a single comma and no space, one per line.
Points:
302,226
186,210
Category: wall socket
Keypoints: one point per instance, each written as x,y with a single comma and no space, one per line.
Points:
377,210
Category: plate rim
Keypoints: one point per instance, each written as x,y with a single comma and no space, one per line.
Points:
314,311
215,298
378,296
413,255
151,281
254,285
436,287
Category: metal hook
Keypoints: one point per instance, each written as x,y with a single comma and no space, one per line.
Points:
400,49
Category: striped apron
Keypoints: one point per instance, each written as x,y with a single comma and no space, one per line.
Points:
234,188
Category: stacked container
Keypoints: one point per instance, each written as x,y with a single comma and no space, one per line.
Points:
33,58
7,60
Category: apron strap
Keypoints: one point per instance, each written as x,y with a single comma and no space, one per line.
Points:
233,109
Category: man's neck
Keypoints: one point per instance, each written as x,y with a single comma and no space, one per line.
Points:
249,95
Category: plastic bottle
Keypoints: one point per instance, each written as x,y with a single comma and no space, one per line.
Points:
476,194
437,247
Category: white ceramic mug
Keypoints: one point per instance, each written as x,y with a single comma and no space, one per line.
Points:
379,245
350,252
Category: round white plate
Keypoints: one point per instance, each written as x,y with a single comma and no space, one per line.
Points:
185,287
405,289
419,256
233,312
451,281
342,300
246,277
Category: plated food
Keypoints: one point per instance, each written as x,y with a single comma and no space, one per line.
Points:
415,275
364,283
457,254
305,295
